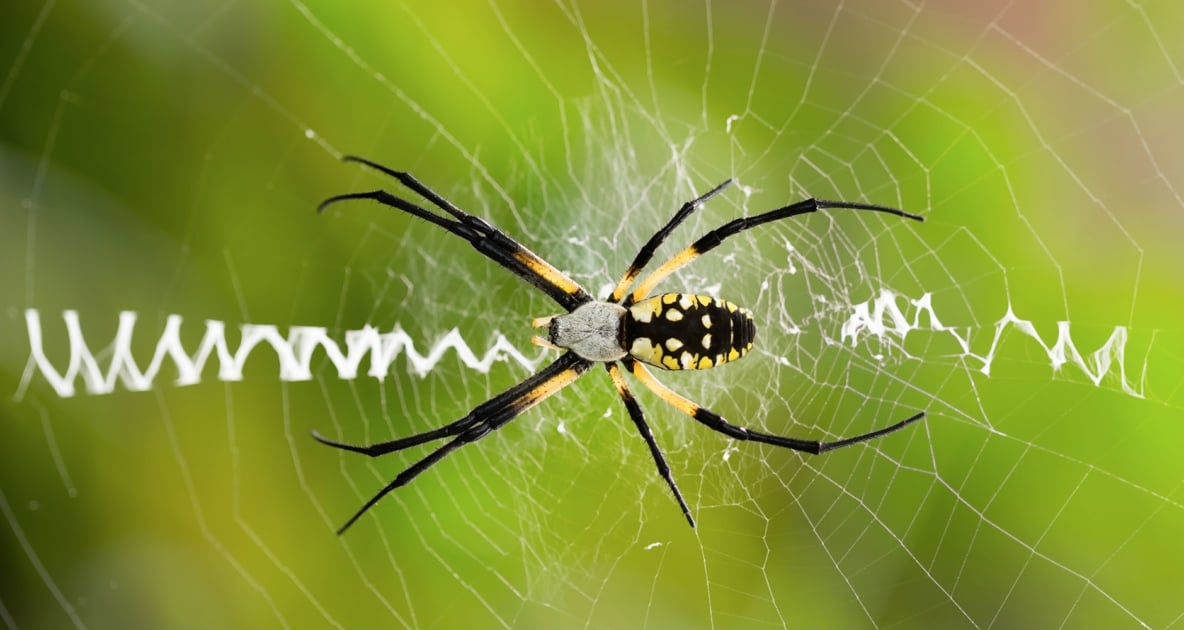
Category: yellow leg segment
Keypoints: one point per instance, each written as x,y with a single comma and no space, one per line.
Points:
667,394
680,260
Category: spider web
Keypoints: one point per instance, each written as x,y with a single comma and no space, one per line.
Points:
163,160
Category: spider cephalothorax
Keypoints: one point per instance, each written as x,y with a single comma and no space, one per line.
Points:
673,331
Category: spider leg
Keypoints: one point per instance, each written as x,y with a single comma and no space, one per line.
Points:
483,412
382,448
647,251
409,180
485,418
521,262
713,238
490,241
638,418
410,473
715,422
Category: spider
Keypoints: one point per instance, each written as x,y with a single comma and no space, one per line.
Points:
626,332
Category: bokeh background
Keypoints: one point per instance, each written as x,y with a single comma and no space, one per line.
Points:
166,158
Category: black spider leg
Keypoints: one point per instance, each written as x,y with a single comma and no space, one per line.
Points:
715,422
638,417
485,418
712,239
646,253
490,241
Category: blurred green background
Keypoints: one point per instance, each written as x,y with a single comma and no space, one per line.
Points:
166,158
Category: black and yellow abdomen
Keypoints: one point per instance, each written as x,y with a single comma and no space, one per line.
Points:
680,331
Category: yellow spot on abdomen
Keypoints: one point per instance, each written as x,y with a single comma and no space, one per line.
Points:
645,350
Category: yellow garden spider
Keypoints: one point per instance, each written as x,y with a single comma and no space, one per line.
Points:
672,331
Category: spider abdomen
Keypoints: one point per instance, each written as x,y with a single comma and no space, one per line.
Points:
680,331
